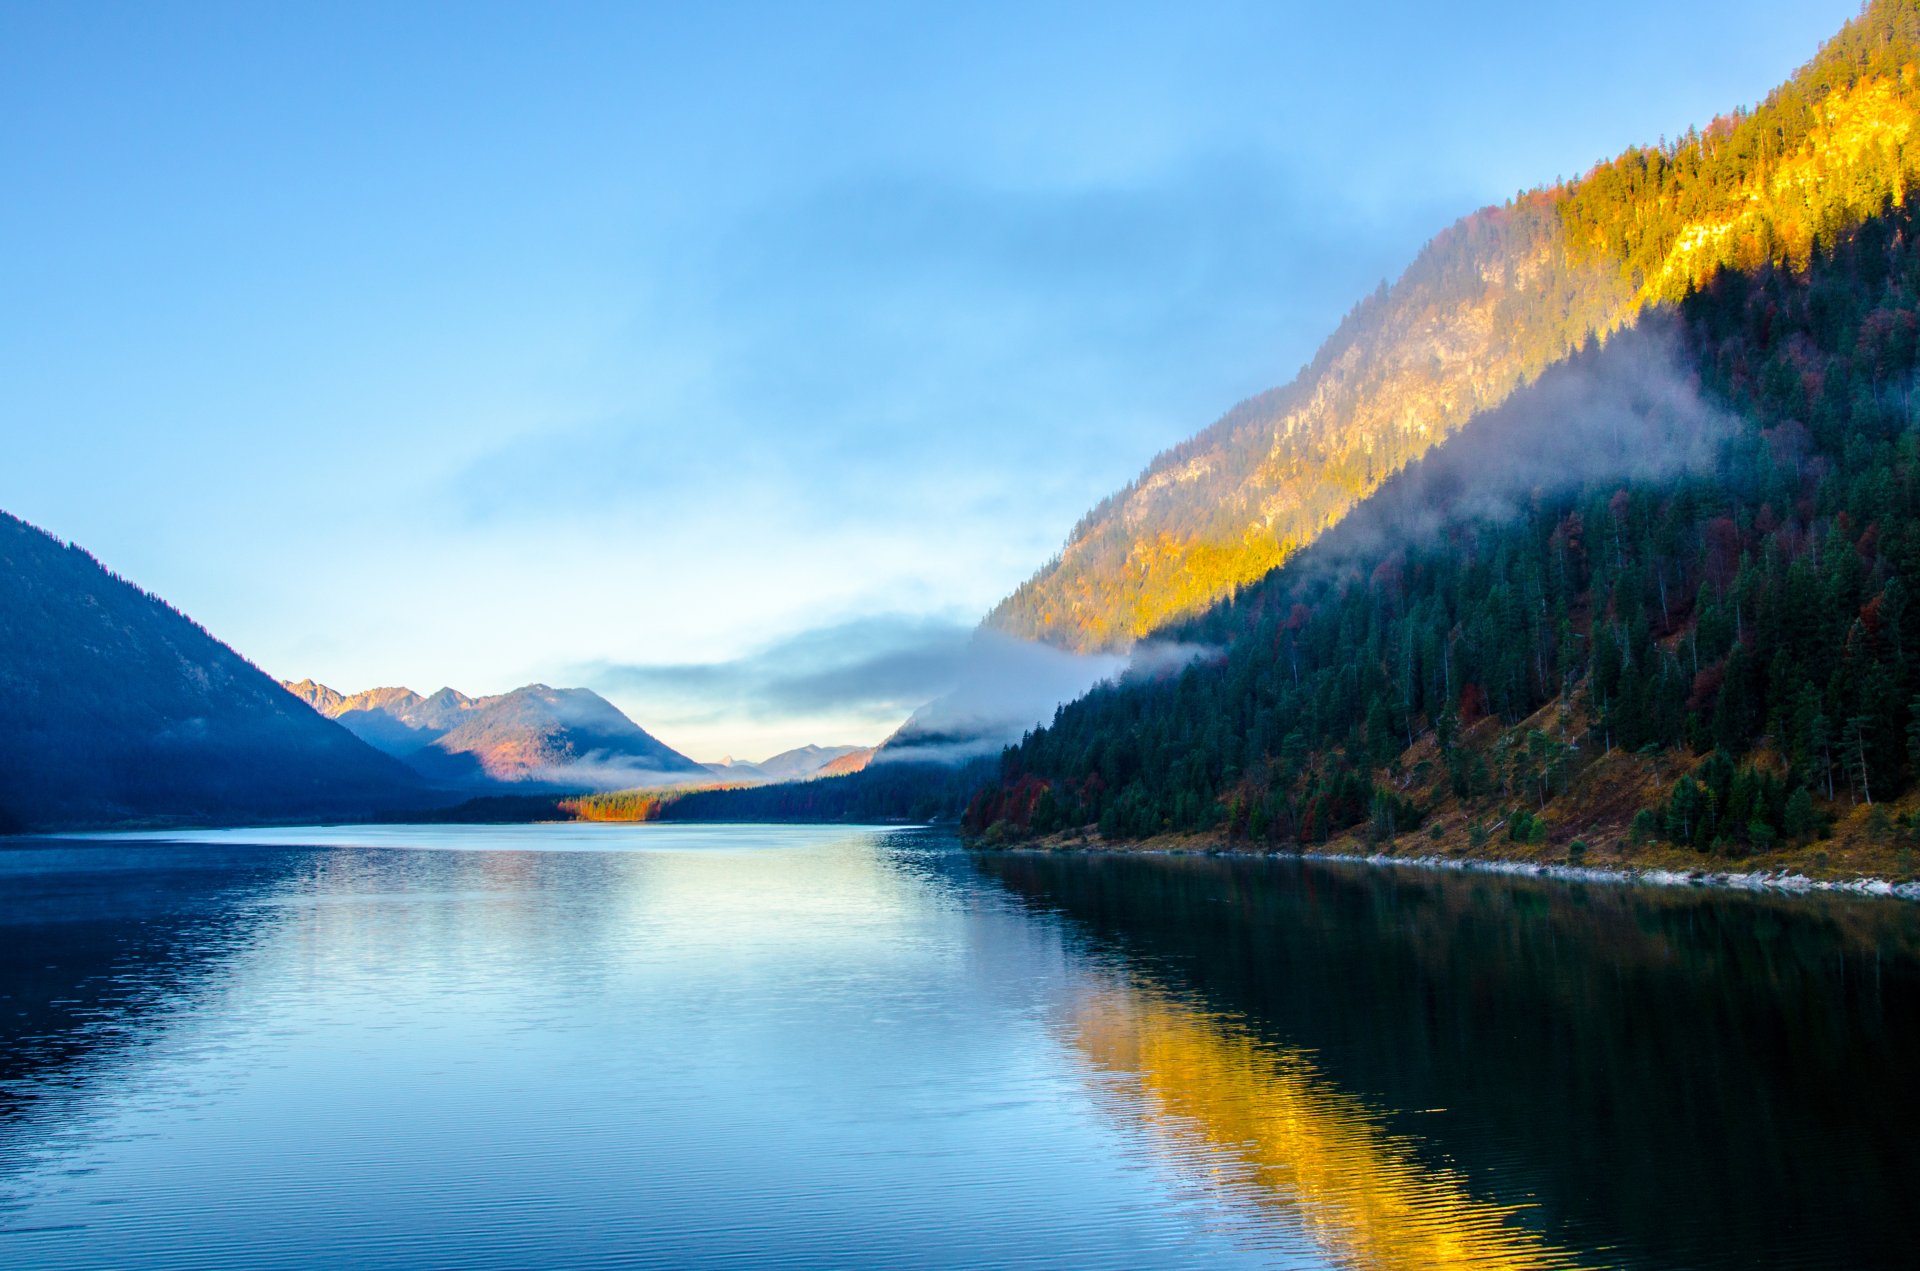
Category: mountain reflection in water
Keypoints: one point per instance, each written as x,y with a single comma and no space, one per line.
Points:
1271,1127
1636,1076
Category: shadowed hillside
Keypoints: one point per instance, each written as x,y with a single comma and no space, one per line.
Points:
114,706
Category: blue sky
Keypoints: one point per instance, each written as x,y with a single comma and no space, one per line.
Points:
477,345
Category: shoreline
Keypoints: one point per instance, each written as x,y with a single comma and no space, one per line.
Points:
1782,882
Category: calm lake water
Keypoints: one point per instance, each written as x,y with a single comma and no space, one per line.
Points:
585,1046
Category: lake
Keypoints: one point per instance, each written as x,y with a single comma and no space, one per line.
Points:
666,1046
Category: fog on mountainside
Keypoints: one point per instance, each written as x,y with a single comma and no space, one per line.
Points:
931,767
1631,411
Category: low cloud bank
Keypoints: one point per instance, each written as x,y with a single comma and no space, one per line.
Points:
601,770
967,691
1013,686
1006,687
877,668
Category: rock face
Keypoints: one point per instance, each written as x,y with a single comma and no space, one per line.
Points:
569,738
114,706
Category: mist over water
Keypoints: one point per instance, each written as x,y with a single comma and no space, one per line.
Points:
671,1045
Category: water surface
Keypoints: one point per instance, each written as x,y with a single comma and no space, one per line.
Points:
709,1046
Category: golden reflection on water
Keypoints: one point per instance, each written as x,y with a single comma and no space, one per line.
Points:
1311,1155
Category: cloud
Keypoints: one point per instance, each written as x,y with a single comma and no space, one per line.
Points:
908,337
877,668
1009,686
1005,687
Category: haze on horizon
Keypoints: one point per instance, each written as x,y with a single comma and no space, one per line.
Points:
731,360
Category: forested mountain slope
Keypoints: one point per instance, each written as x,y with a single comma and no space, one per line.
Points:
1720,650
1485,308
115,706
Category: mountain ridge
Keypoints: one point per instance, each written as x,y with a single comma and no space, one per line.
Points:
534,734
800,763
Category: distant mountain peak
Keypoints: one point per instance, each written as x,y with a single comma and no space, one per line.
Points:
538,734
801,763
319,696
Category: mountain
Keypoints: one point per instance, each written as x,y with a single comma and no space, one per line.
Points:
853,760
805,761
318,696
1663,599
438,713
114,706
395,720
1560,304
1659,598
1486,307
570,737
799,764
566,736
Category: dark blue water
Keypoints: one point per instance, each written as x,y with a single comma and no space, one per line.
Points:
580,1046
